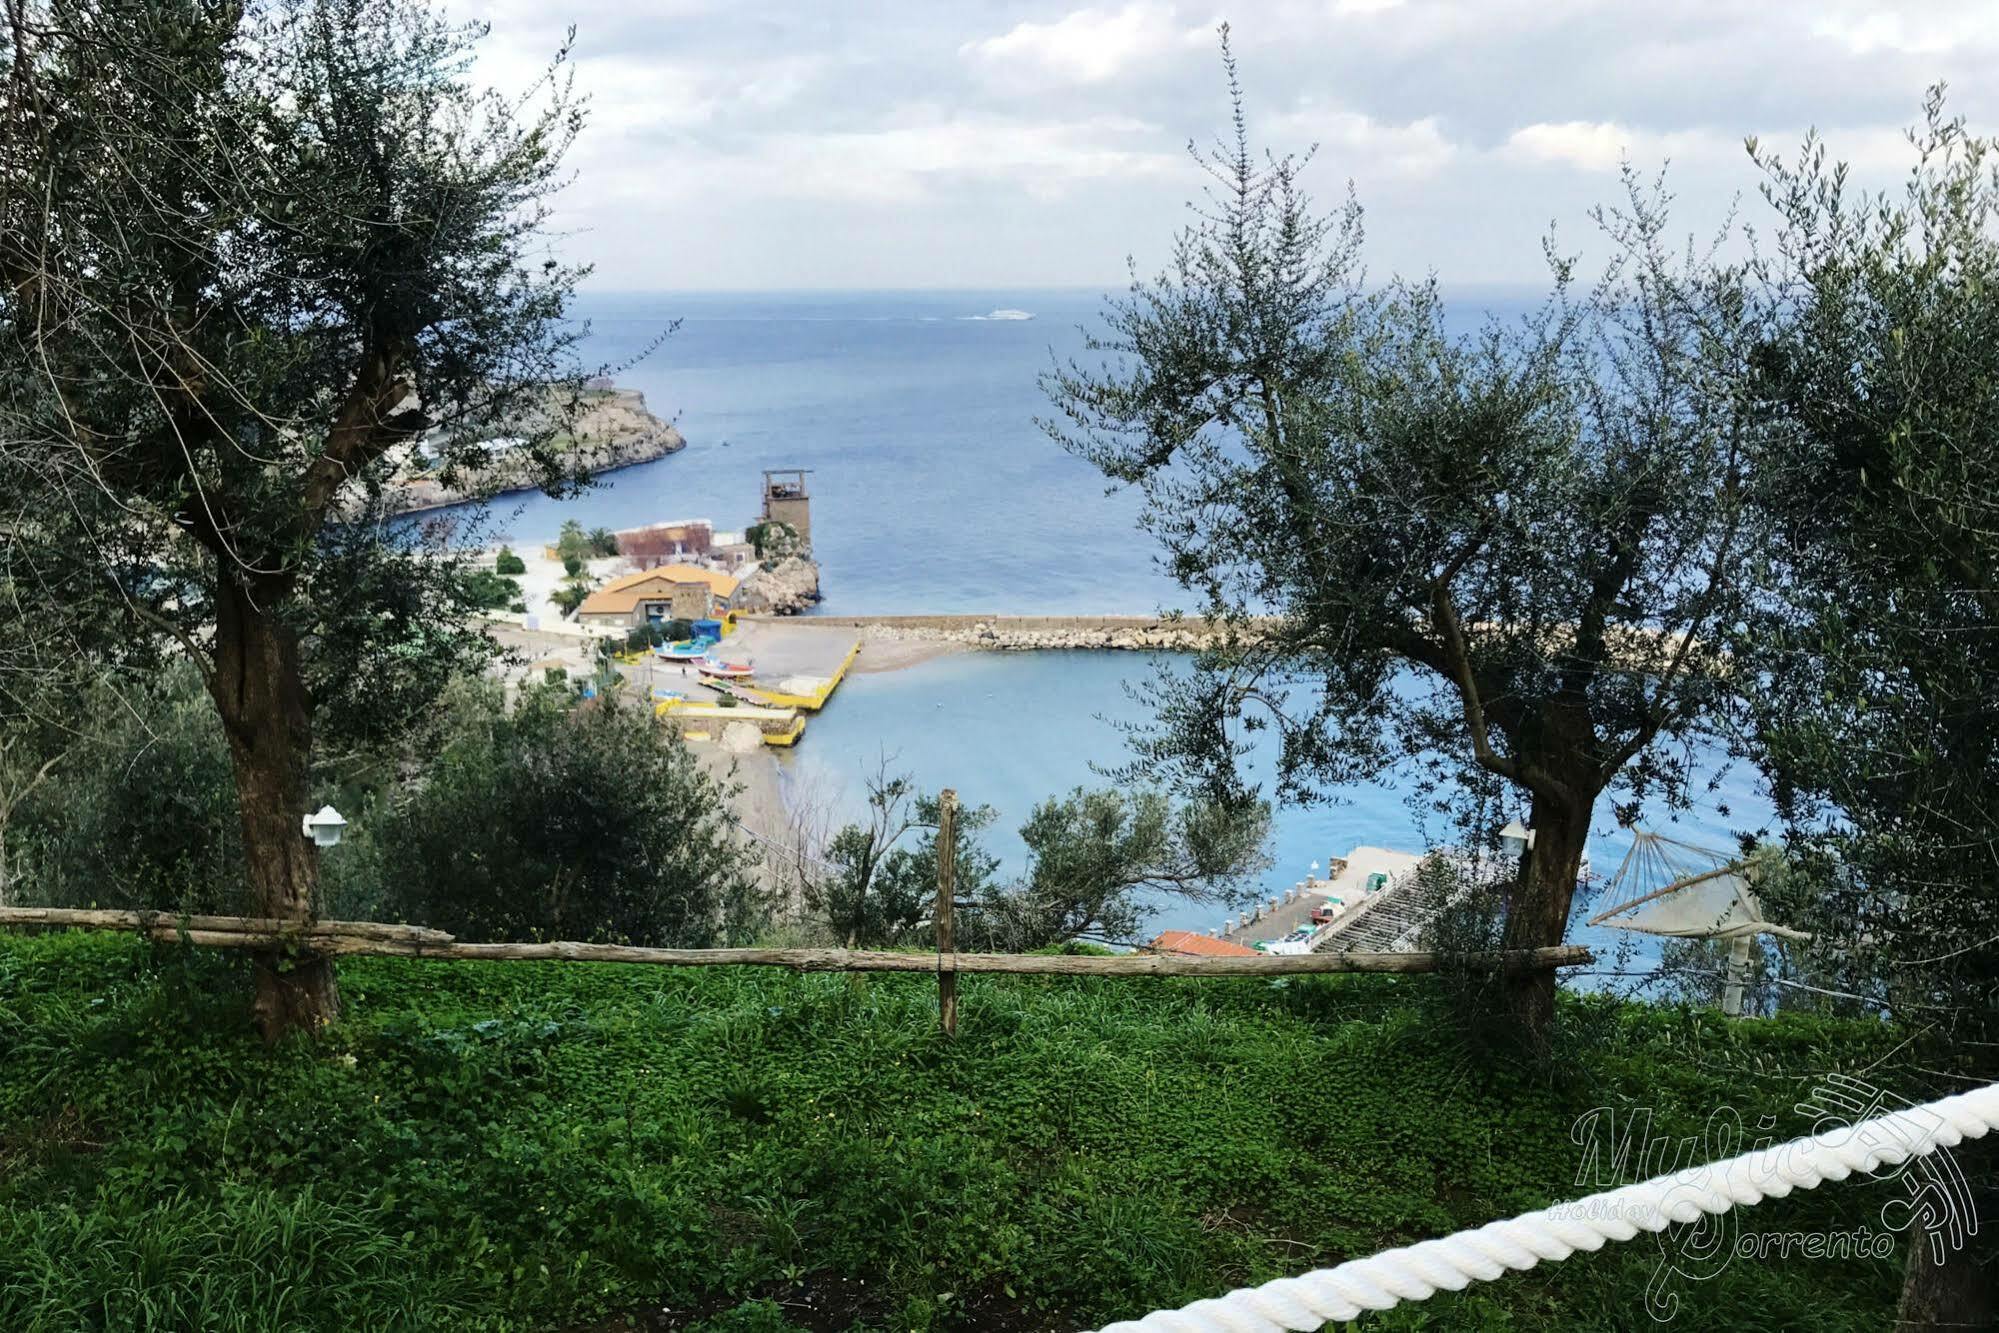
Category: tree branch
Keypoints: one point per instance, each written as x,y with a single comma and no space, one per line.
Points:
363,430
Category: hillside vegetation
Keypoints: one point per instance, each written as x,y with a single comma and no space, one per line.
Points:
549,1146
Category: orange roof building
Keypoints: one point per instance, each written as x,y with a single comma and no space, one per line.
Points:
1186,941
666,592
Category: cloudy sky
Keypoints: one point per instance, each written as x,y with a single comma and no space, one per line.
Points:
995,143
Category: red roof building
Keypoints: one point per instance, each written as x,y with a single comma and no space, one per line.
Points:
1186,941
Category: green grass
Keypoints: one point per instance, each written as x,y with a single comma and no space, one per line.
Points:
550,1146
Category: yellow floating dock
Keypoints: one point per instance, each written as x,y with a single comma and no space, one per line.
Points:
698,721
813,692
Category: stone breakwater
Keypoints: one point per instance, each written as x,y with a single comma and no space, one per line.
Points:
1035,633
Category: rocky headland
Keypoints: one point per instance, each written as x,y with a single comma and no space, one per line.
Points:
614,430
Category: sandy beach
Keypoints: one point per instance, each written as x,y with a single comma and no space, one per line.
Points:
775,817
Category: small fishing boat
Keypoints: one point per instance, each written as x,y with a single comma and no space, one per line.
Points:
687,650
719,670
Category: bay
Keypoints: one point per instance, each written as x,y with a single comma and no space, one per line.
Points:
934,490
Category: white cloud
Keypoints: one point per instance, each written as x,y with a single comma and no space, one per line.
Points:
1876,153
1360,146
914,160
1086,46
760,142
901,161
1593,145
1940,29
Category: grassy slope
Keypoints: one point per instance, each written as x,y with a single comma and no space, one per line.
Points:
549,1146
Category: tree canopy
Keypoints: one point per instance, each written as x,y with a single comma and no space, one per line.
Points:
1099,864
1874,663
250,253
1503,554
542,820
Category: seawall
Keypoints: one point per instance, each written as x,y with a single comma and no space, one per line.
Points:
1631,648
1033,633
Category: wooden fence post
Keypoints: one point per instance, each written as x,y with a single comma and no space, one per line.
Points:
947,892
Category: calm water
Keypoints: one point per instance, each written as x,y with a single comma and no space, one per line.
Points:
934,491
1010,729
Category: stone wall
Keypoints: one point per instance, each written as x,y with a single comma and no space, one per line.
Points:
1034,633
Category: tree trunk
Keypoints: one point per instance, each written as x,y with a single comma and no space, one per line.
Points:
1963,1290
1537,914
259,689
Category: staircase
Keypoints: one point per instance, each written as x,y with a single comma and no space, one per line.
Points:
1391,921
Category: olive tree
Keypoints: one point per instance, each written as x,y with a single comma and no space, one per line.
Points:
1099,862
250,252
1875,665
1501,555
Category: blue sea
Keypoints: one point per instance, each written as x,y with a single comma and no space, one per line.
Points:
934,490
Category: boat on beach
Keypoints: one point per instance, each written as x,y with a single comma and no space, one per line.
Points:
719,670
687,650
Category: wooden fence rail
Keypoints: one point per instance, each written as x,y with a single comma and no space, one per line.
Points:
349,938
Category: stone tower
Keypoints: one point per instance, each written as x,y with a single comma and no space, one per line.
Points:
786,501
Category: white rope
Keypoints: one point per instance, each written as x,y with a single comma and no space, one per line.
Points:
1453,1263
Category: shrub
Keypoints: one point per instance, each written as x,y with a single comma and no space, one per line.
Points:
488,591
144,813
772,540
547,820
509,563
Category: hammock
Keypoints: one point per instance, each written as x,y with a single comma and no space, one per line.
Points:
1668,887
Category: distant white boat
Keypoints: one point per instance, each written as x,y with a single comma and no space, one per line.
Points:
1002,314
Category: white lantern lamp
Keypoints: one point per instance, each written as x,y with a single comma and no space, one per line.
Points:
324,828
1516,839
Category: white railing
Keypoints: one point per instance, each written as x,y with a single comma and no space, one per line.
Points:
1453,1263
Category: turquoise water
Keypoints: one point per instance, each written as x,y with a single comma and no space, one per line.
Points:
935,491
1010,729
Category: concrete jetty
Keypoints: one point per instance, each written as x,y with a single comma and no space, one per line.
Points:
1352,882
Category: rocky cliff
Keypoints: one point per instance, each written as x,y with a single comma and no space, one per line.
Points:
787,588
614,430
